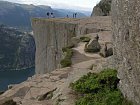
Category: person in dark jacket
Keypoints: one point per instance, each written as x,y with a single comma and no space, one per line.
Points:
48,14
75,15
97,37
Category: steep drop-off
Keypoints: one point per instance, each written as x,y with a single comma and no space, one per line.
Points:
17,49
51,35
126,38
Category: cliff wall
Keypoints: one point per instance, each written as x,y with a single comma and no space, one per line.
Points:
51,35
126,38
103,8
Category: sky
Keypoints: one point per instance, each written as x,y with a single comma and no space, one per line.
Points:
86,5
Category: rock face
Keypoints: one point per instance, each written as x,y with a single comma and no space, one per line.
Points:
106,50
126,38
103,8
93,46
51,35
17,49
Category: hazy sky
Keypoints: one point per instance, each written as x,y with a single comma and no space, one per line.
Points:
69,4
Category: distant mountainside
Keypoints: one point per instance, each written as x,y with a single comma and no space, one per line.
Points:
18,15
17,49
65,12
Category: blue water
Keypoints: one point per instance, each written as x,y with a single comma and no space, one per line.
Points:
14,77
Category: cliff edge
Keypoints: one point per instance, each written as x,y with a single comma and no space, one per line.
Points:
51,35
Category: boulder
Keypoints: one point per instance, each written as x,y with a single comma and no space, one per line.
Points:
106,51
92,46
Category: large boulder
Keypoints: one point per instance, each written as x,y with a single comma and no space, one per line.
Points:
106,51
92,46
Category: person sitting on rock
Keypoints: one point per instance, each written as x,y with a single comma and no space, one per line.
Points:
48,14
105,48
52,15
97,37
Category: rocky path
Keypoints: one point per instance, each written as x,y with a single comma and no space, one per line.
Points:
54,88
80,49
31,91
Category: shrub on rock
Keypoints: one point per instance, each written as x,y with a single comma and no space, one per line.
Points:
99,89
66,62
85,39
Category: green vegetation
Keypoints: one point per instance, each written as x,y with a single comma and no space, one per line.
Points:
99,89
66,62
9,44
105,7
10,102
85,39
15,47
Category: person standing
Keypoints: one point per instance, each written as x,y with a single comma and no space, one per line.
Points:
48,15
67,16
52,15
97,37
75,15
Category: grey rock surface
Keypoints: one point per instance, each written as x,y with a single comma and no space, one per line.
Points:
106,50
51,35
126,40
92,46
103,8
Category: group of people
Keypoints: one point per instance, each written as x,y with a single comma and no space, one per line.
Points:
50,15
74,15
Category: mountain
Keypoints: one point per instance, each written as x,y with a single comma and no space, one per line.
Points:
18,15
65,12
17,49
103,8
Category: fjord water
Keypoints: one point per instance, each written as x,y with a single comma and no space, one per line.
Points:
8,77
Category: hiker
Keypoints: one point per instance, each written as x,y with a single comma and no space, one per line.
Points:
97,37
105,49
75,15
67,16
52,15
48,14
